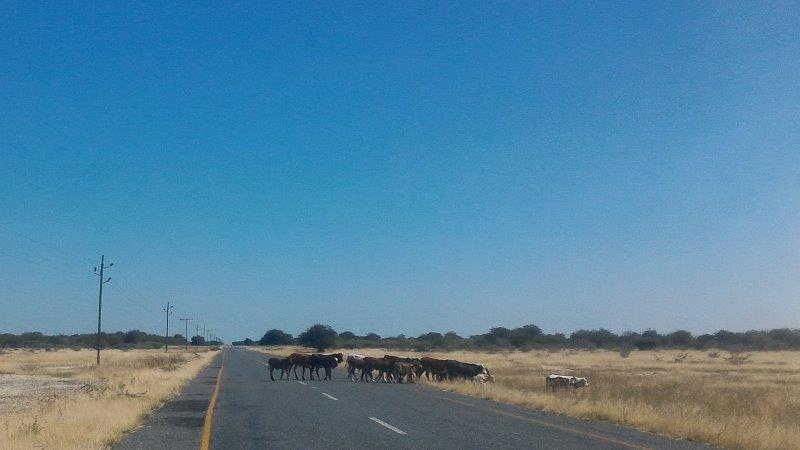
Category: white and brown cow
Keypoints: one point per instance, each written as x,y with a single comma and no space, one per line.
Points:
556,382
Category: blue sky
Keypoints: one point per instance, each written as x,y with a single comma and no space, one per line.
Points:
401,168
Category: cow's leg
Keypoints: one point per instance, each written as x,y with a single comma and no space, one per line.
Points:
295,371
270,373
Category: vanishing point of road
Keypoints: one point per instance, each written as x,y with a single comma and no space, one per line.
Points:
233,405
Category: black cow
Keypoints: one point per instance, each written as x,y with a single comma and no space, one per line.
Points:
466,371
327,362
279,363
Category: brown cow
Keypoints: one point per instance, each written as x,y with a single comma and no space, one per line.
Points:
279,363
303,360
355,362
403,369
437,368
383,367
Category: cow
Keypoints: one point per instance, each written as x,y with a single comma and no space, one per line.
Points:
327,362
405,369
432,367
556,382
467,371
279,363
383,366
302,360
355,362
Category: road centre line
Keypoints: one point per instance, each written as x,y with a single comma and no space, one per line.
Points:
391,427
301,382
330,396
205,440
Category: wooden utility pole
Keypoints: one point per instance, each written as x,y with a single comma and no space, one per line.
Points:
103,267
168,311
186,330
197,336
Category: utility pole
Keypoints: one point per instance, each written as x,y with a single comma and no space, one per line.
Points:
103,267
186,333
197,336
204,334
168,311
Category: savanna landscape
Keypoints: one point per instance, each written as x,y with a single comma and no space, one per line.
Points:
60,398
731,400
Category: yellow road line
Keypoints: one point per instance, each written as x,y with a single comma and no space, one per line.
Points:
587,434
206,440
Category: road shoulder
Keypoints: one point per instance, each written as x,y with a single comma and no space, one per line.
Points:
179,423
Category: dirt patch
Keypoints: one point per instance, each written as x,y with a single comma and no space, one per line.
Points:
20,392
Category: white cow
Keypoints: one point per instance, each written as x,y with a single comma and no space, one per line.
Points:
554,382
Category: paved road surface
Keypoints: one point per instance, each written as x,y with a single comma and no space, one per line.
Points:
254,413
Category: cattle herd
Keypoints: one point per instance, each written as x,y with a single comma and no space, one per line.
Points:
390,368
396,369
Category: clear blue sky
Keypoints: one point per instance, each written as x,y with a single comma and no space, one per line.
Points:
401,168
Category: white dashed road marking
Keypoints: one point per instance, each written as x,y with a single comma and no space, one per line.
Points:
302,383
330,396
391,427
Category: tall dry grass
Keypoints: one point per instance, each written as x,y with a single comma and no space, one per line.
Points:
734,402
104,403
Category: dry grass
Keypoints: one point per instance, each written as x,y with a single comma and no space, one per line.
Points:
92,407
734,402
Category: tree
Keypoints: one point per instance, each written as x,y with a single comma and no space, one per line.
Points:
198,340
319,336
680,338
372,337
276,337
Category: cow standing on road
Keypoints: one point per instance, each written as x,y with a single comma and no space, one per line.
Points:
327,362
279,363
355,362
302,360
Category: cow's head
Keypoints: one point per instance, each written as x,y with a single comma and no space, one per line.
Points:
338,357
580,382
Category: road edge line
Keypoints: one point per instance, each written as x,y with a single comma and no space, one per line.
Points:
587,434
205,441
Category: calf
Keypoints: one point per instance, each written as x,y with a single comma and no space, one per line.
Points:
355,362
556,382
279,363
405,369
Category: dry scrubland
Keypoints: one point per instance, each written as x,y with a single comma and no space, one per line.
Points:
61,399
740,402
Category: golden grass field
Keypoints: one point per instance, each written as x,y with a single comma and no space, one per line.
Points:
732,404
61,399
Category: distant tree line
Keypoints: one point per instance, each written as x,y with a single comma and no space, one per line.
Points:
530,337
119,339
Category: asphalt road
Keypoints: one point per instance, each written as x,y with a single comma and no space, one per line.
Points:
253,412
